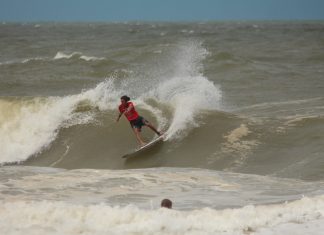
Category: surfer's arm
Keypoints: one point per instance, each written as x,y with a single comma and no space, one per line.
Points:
118,118
126,110
119,115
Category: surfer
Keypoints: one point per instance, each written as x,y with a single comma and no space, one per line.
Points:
136,121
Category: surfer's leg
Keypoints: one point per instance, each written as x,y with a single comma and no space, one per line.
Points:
152,128
138,136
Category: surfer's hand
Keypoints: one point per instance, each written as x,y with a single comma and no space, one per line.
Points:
118,117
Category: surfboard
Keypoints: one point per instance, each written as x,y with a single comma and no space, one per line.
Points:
145,147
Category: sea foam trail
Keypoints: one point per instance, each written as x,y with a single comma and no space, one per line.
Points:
49,217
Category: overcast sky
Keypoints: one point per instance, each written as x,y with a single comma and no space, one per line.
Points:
160,10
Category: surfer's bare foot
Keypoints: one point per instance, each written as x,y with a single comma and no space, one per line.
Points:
159,133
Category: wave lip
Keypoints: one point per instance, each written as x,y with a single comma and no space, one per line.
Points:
33,127
29,126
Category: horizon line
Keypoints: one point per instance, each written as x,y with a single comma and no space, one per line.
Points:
158,21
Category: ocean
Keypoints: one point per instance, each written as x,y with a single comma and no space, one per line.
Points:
241,103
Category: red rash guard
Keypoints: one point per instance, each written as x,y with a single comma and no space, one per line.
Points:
130,115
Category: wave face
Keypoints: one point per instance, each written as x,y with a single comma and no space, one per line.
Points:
183,95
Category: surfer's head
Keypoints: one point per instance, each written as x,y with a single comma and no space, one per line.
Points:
125,98
167,203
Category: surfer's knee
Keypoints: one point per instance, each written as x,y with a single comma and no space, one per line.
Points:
136,130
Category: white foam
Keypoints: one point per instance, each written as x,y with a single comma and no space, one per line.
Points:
25,61
27,127
187,97
33,59
62,55
59,55
304,216
187,91
91,58
32,126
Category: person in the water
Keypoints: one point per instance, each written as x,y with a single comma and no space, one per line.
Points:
136,121
166,203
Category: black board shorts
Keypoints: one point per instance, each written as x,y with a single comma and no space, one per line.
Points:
138,123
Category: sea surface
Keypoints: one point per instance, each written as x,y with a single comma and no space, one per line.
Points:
241,103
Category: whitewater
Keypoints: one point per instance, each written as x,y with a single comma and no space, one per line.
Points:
241,102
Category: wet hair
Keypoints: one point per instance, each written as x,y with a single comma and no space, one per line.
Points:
125,97
166,203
